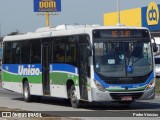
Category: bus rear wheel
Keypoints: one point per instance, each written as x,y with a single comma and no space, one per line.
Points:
75,103
26,92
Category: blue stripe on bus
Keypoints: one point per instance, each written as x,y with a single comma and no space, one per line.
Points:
64,68
13,68
96,77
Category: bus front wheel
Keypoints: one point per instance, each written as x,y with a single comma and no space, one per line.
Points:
26,92
73,97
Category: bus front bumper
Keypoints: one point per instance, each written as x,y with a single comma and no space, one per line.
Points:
104,96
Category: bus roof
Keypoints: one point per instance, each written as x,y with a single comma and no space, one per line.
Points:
63,30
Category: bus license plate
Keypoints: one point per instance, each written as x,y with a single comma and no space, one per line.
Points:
126,98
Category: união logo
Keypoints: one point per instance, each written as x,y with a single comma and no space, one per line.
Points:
152,14
31,71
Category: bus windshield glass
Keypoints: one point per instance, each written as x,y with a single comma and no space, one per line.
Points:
122,56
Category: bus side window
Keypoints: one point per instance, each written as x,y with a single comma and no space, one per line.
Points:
71,55
64,50
35,51
25,50
7,52
15,55
58,53
34,57
68,56
71,50
18,49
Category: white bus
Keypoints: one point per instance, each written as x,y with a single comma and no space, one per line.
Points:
81,63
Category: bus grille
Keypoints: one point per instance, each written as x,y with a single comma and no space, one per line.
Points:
118,96
125,80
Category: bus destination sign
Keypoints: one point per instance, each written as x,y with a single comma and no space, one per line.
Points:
121,33
47,5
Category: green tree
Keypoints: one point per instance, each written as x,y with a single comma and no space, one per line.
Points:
14,33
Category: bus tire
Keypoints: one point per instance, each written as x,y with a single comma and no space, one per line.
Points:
75,103
26,92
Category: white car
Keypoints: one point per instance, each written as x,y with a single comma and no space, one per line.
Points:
157,64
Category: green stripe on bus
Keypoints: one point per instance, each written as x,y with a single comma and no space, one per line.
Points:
60,78
7,77
56,78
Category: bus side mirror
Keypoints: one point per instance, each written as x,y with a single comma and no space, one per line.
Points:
155,48
89,50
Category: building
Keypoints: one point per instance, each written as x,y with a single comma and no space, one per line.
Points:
148,16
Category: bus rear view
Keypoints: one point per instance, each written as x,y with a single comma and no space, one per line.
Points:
123,65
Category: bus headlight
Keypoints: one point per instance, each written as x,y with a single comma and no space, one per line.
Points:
151,84
157,69
99,86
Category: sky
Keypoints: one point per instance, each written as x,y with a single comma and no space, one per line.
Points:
19,14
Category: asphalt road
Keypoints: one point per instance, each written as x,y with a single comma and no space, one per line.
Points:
59,107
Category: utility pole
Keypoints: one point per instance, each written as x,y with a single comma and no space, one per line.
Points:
118,9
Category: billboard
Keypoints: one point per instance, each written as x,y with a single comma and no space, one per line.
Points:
130,17
47,5
150,16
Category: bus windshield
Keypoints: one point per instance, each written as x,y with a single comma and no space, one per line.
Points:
122,57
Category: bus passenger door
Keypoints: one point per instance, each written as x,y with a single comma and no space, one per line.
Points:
45,48
83,69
